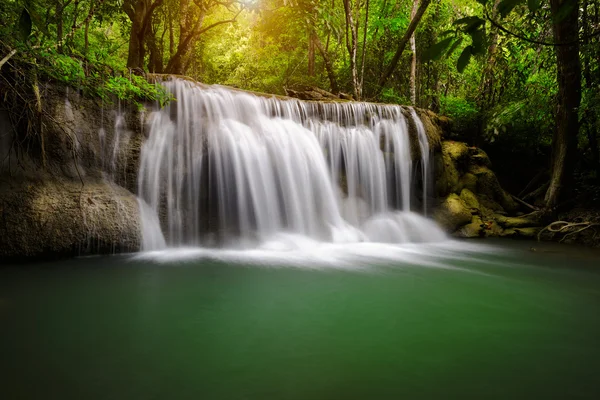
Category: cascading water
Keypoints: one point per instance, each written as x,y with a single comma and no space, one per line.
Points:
230,168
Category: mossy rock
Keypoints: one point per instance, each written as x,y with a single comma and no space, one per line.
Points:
472,230
468,181
492,229
454,156
452,213
479,157
515,222
521,233
469,198
488,185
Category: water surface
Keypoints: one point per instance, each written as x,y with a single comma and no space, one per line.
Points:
508,322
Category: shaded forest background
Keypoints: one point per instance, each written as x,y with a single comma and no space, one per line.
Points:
521,78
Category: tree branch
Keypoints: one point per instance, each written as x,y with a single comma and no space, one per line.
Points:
402,44
542,43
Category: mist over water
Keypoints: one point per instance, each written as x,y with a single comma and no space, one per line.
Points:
230,170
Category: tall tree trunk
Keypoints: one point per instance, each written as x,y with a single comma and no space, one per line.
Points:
311,54
364,47
590,116
171,36
140,13
351,44
328,65
402,43
564,142
413,62
135,58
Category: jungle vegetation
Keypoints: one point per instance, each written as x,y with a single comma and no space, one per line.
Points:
519,77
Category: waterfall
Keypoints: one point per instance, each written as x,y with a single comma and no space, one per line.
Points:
229,168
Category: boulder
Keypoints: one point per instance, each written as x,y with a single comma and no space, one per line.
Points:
468,181
521,233
476,228
488,185
452,213
469,198
52,218
514,222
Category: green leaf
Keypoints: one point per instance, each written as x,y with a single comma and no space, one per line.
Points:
24,27
464,59
478,39
533,5
454,46
436,51
448,32
506,6
482,2
469,23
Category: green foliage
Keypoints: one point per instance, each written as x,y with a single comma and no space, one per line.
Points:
63,68
134,89
391,96
464,113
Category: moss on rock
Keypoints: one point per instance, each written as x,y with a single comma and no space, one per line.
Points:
473,229
452,213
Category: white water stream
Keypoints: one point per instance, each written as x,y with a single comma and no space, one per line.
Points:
228,168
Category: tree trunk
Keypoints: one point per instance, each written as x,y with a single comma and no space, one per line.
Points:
328,65
364,47
351,44
140,13
590,116
564,142
402,43
135,59
413,63
311,55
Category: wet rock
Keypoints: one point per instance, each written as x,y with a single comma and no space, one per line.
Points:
479,157
488,185
469,198
514,222
469,181
476,228
452,213
63,218
523,233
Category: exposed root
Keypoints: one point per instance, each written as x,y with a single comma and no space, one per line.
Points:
568,228
523,203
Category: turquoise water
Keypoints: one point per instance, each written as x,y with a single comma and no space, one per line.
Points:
509,322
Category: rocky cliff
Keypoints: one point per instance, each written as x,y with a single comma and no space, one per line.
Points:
67,180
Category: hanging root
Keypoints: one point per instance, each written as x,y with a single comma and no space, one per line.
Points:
40,123
569,228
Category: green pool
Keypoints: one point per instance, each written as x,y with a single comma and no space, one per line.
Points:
502,322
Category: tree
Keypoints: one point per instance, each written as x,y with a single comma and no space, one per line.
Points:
403,41
140,13
565,26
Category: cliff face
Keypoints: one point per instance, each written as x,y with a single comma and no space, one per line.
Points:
69,188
